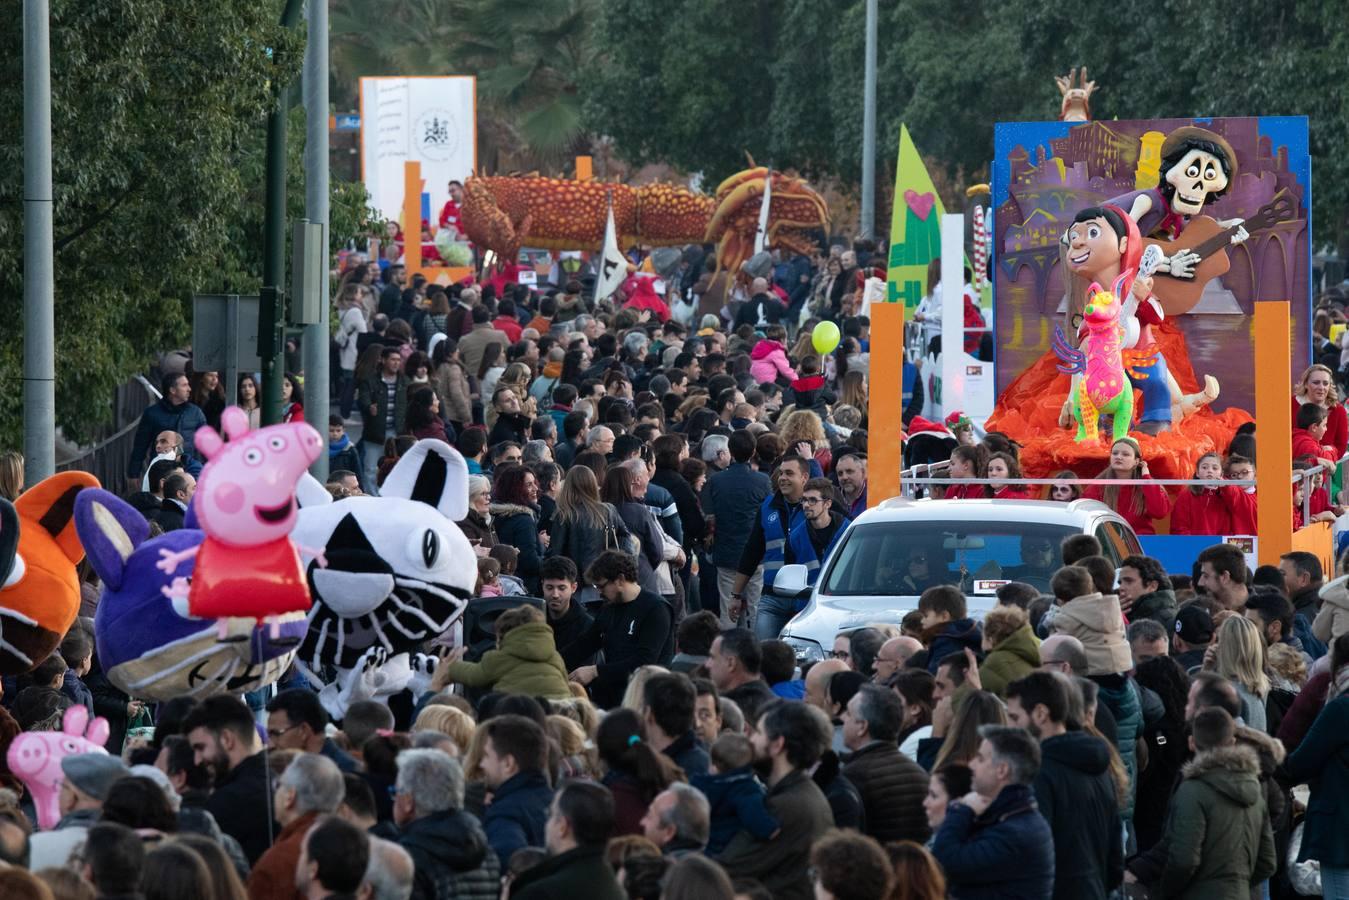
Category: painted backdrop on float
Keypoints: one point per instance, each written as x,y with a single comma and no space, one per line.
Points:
1045,172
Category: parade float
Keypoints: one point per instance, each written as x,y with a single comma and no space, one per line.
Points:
1224,201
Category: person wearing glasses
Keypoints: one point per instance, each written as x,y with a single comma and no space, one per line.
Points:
296,721
632,628
813,538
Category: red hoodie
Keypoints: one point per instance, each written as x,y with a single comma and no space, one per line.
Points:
969,491
1337,427
1155,504
1015,492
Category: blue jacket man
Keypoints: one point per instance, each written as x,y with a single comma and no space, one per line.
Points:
767,546
813,538
732,498
515,756
994,843
174,411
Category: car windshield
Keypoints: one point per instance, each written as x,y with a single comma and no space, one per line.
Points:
907,558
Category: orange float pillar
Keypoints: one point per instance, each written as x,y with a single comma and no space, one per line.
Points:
1274,463
885,402
584,168
412,218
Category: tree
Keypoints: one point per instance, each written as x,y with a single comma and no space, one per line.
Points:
157,124
525,55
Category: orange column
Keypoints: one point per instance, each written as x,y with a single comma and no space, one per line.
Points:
412,217
584,168
1274,463
885,402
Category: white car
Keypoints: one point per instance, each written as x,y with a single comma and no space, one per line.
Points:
892,553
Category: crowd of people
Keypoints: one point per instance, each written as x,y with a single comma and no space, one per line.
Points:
639,730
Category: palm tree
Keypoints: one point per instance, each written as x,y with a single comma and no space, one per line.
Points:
524,54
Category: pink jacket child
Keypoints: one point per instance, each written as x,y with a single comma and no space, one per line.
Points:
767,359
35,759
247,566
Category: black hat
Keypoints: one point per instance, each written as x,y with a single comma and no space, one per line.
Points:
1194,625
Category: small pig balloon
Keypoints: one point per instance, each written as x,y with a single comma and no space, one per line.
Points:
35,759
245,503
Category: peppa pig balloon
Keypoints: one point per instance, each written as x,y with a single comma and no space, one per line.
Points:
35,759
246,566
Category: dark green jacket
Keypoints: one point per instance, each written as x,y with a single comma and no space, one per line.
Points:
1218,836
580,873
780,863
1013,659
1160,606
526,663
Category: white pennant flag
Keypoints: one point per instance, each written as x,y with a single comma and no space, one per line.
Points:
761,236
613,265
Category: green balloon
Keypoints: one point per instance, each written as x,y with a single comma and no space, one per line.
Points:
825,337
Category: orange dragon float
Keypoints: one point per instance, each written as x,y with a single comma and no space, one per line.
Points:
505,213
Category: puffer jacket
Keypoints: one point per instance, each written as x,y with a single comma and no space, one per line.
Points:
1096,621
952,637
1076,794
1333,619
527,662
1121,696
1218,837
451,858
892,788
768,359
1015,658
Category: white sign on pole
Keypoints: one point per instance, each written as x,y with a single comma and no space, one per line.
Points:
967,382
431,120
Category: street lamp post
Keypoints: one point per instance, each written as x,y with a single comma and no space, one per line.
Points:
868,224
39,290
315,343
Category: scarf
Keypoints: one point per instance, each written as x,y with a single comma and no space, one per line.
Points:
552,369
336,447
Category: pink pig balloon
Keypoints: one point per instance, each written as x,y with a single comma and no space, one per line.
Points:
35,759
245,502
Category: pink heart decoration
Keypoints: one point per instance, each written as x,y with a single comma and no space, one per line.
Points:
921,204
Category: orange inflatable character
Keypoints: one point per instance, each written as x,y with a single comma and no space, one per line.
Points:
39,549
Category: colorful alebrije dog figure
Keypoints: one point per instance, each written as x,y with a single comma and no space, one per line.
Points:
245,503
39,549
1104,388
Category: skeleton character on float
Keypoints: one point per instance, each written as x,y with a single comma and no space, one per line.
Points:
1197,166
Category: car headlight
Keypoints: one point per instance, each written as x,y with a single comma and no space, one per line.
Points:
807,651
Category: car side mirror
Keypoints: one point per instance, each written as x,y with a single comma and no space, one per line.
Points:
792,582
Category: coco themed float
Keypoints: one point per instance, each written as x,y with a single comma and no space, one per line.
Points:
1186,224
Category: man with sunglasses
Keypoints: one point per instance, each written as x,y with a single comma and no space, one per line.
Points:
813,538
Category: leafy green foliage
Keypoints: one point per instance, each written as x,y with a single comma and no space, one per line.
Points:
698,84
158,117
525,54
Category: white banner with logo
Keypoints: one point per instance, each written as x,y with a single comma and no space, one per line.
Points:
430,120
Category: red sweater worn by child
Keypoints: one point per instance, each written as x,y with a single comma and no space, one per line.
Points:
1155,504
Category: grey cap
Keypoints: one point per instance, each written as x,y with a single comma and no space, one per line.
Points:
93,773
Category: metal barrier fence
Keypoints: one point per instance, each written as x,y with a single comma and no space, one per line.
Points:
915,481
107,459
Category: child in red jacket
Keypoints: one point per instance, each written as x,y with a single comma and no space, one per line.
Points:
1242,510
1310,432
1204,510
